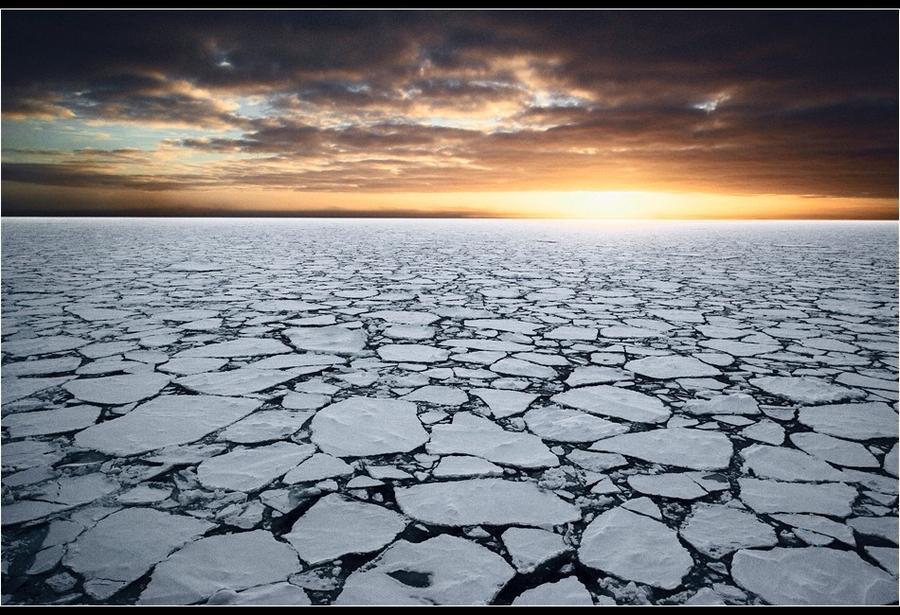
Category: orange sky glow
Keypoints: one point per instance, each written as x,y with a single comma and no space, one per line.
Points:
554,114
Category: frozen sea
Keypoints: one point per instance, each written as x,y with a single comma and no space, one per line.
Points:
253,411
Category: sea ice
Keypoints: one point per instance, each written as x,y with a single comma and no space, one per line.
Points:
363,426
834,450
769,496
249,469
336,339
529,547
47,422
318,467
364,528
805,389
265,426
813,575
117,389
200,569
438,394
616,402
565,425
678,446
568,591
459,466
619,542
240,347
441,570
717,530
470,434
671,366
242,381
853,421
484,501
504,403
126,544
166,420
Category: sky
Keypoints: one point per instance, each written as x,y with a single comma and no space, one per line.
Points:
606,114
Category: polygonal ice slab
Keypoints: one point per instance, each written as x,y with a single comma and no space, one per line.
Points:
805,389
283,305
15,388
852,421
240,347
504,324
567,425
21,511
248,469
124,545
185,366
404,317
362,426
568,591
46,422
165,421
242,381
265,426
337,339
57,495
769,496
441,570
117,389
438,394
530,547
820,525
834,450
813,575
230,561
572,333
634,547
671,366
716,530
484,501
337,525
459,466
738,403
318,467
469,434
503,403
40,367
274,594
43,345
788,464
615,402
676,446
412,353
518,367
678,485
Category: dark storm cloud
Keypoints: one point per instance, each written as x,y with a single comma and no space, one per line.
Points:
803,102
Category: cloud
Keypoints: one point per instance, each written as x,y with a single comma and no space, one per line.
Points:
738,102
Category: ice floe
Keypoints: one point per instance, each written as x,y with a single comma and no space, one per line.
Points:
677,446
484,501
813,575
469,434
166,420
197,571
615,402
363,426
634,547
441,570
364,528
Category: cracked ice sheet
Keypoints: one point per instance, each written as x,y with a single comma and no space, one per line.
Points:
758,344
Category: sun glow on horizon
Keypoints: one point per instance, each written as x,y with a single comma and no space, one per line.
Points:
555,204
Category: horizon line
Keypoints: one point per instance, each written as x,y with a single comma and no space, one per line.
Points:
457,217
